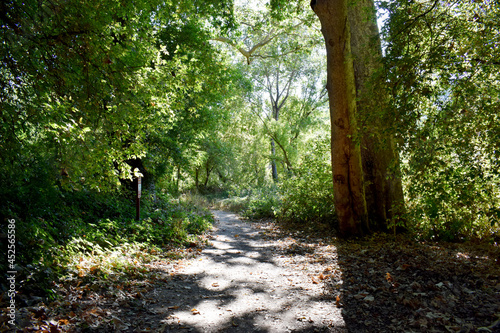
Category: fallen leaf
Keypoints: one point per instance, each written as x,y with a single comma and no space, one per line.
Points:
369,298
54,329
120,324
195,312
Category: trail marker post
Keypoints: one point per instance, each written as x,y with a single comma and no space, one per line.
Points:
138,199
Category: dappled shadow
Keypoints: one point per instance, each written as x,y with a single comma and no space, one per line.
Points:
240,285
402,286
257,277
387,284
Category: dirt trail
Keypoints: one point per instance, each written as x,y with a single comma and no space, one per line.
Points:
239,284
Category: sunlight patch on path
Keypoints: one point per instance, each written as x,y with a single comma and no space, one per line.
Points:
243,286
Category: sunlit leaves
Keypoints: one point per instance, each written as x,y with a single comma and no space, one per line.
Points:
98,79
443,74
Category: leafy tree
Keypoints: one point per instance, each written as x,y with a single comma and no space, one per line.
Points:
279,52
295,91
93,87
442,67
258,30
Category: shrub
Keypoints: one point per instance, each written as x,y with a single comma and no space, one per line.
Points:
82,223
262,203
308,196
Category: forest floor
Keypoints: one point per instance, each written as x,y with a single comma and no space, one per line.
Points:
259,277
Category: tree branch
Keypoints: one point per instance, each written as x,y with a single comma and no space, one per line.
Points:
416,18
249,54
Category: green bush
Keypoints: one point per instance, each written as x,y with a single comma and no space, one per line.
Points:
262,203
90,222
308,196
256,203
451,198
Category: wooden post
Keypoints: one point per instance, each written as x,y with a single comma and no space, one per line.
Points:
138,199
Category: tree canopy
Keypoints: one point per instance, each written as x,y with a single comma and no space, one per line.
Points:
230,97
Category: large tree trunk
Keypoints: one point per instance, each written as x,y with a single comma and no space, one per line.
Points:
349,197
383,189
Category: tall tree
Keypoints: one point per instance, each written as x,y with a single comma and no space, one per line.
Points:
278,51
277,79
349,194
443,66
383,188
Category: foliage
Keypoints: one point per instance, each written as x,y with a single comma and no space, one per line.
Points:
442,68
233,204
96,90
308,196
254,203
304,198
92,94
99,224
261,203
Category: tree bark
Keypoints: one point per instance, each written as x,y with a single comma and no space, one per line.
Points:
274,168
349,196
208,172
197,179
383,189
178,179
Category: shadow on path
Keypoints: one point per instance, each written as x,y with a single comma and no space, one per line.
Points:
240,284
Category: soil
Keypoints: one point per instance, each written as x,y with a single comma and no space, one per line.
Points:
259,277
242,282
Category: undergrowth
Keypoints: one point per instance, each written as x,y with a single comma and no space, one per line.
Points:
97,235
255,203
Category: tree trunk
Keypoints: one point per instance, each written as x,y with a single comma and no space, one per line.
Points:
197,179
208,171
178,179
274,169
349,197
383,189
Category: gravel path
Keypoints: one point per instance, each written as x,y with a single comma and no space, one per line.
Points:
240,284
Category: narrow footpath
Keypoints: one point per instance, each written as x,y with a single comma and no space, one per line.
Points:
240,283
